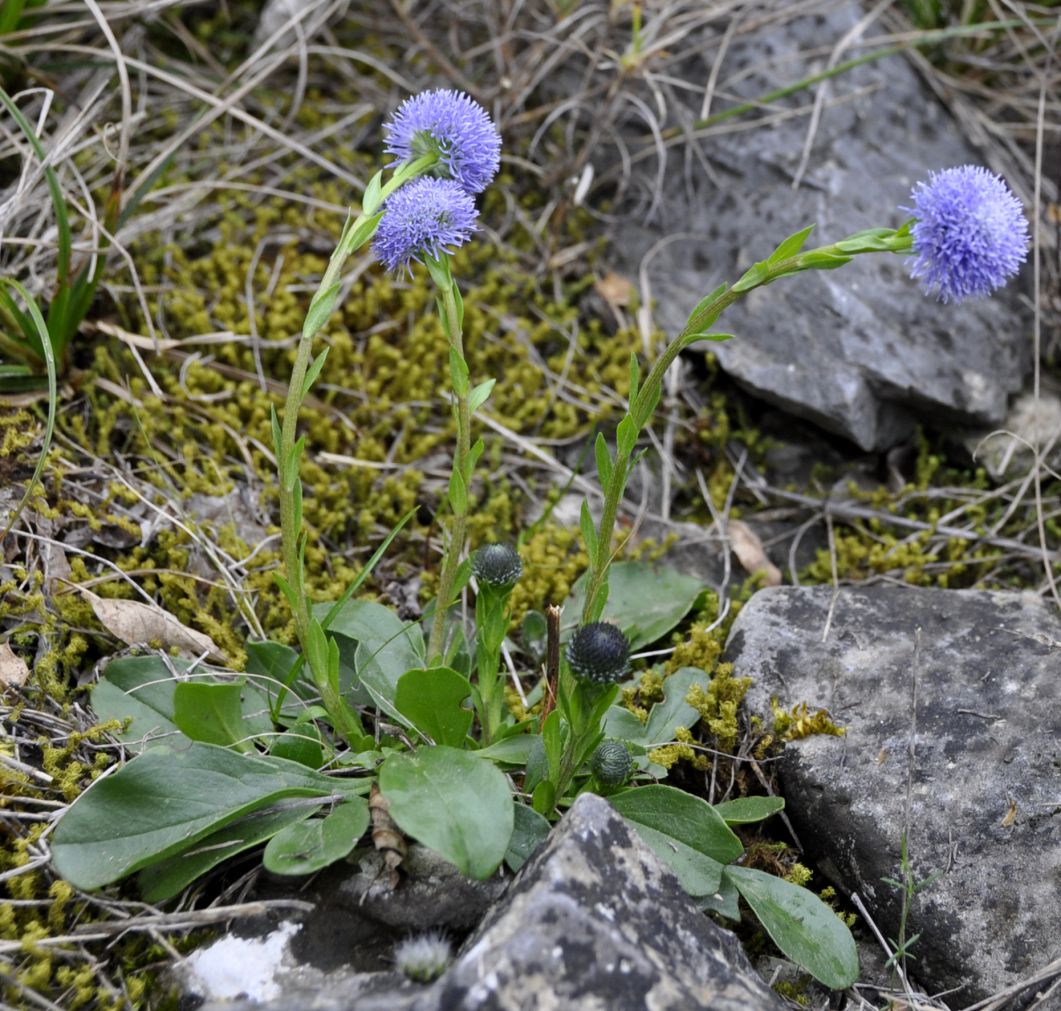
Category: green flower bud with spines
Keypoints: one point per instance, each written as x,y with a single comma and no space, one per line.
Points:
611,763
497,565
599,652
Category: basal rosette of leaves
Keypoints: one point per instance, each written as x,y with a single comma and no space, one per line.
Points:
284,754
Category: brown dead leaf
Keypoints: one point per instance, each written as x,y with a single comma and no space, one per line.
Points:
615,289
134,622
1011,814
13,669
749,551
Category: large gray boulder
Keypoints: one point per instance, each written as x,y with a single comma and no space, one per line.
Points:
951,702
592,922
859,351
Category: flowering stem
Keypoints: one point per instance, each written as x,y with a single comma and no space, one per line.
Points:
463,461
355,234
646,397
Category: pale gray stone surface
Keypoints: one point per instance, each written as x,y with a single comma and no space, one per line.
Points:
859,351
978,693
592,922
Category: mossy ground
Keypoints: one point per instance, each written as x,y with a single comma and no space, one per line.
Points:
170,484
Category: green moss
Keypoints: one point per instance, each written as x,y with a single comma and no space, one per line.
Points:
798,722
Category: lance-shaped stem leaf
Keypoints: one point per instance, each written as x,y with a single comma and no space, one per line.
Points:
786,259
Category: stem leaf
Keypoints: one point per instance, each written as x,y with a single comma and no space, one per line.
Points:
320,309
604,460
589,534
480,395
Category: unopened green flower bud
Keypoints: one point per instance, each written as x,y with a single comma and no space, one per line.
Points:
497,565
611,763
599,653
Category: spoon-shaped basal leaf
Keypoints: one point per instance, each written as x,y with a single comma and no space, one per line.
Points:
167,799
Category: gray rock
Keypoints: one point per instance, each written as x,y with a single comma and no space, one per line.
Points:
984,773
595,921
592,921
859,351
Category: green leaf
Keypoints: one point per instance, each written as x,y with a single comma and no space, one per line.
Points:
871,240
211,713
703,305
716,337
274,421
440,271
791,246
453,803
138,689
635,376
682,830
664,718
513,750
458,373
645,601
459,302
818,259
626,436
604,460
801,925
724,901
529,831
362,232
480,395
162,881
387,647
166,800
299,743
589,534
307,846
432,700
752,277
320,309
370,200
745,810
458,493
313,371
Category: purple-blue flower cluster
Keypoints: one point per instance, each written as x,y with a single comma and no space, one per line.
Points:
436,213
427,217
970,235
455,127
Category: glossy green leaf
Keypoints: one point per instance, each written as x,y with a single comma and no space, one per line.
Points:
308,846
432,700
682,830
453,803
645,601
745,810
801,925
166,800
162,881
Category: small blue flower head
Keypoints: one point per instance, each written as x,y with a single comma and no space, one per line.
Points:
427,217
454,126
970,235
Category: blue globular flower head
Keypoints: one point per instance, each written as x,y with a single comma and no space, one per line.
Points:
970,235
426,217
455,127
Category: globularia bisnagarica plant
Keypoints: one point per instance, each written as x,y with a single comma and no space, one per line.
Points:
285,754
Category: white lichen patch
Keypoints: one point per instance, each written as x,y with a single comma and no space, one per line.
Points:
239,966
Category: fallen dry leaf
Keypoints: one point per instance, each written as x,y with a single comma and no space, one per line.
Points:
134,622
13,669
749,551
1011,815
615,289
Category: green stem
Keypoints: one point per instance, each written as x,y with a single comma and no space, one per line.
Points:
640,411
354,235
459,516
